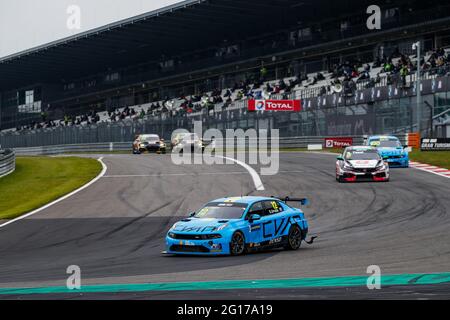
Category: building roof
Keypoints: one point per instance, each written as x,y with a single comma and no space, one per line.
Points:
176,29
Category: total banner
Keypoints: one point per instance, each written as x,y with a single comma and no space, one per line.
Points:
441,144
275,105
338,142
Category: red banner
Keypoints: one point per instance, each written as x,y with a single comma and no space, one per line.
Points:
275,105
338,142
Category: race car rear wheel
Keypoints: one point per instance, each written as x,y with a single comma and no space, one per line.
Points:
237,244
294,238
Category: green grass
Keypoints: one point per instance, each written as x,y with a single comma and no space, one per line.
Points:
40,180
435,158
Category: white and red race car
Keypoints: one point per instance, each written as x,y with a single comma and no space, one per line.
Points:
361,164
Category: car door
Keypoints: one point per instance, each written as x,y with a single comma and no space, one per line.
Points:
254,234
276,222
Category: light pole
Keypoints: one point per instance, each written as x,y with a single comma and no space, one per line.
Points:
416,46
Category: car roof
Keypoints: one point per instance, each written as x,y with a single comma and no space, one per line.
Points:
151,135
246,200
363,148
379,137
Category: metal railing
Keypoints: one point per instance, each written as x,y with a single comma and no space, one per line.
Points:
74,148
7,162
284,143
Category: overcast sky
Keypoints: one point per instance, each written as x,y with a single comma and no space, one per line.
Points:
29,23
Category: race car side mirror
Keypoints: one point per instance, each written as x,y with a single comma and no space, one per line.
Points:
191,214
254,217
340,158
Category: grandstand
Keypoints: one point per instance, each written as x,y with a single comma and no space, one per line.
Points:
201,60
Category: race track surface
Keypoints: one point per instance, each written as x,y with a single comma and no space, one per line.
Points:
114,229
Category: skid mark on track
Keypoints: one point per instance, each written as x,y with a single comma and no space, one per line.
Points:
122,227
159,233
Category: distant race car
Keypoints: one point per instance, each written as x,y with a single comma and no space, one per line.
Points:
233,226
391,149
187,142
149,143
361,163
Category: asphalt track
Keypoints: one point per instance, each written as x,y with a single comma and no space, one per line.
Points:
114,229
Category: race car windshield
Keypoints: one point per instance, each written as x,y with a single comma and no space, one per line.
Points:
222,210
150,138
362,155
388,143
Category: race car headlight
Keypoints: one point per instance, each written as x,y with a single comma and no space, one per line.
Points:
381,166
212,236
171,235
222,227
348,166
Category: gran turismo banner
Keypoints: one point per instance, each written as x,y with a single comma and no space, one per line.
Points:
441,144
275,105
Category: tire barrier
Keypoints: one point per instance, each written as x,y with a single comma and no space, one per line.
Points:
7,162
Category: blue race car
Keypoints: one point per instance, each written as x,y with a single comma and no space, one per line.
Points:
233,226
391,150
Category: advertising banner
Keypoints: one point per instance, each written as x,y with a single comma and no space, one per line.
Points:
275,105
441,144
338,142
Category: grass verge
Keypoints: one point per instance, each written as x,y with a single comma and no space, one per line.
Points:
435,158
41,180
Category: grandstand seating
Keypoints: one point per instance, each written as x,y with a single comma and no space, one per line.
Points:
312,86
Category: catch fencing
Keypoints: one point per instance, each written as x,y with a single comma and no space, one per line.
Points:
284,143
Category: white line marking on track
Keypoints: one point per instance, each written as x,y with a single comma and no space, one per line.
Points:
255,176
102,173
183,174
172,174
442,172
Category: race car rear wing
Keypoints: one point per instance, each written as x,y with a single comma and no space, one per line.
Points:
303,201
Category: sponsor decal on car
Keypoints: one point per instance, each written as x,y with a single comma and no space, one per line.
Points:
275,240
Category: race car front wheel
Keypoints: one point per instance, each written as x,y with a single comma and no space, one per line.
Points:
294,238
237,244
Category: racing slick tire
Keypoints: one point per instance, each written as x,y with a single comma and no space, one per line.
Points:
237,244
339,179
294,240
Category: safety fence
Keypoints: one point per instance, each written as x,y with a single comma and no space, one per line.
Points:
284,143
75,148
7,162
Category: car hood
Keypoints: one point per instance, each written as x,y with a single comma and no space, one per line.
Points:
193,225
390,151
364,163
